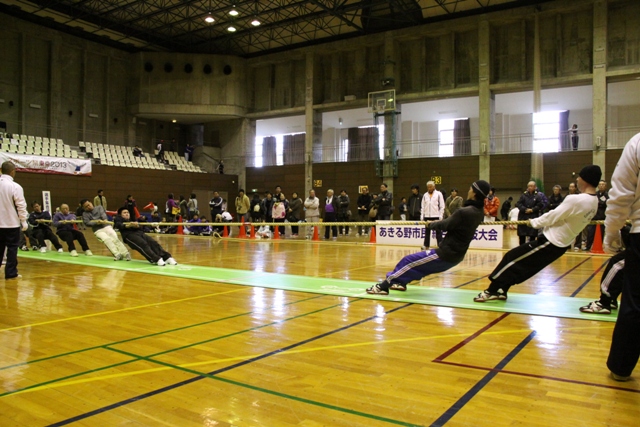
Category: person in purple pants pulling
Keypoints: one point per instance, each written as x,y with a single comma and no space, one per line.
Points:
460,227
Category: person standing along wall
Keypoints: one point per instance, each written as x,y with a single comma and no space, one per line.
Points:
13,218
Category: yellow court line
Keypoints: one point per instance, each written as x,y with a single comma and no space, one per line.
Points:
307,350
48,322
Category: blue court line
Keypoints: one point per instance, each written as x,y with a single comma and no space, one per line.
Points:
456,407
577,291
215,372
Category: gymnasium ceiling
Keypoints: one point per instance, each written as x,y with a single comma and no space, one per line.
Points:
180,26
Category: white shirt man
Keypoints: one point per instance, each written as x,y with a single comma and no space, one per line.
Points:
432,209
311,211
13,217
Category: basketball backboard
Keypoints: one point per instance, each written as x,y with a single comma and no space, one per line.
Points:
381,101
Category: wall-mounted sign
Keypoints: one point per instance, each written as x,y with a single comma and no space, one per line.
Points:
317,183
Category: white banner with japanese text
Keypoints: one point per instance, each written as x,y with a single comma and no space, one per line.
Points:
486,236
52,165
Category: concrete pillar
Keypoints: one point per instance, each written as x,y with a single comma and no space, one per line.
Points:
247,136
537,159
389,119
22,103
313,123
83,93
55,80
486,100
600,83
107,99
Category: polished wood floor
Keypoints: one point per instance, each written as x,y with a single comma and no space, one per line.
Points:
88,346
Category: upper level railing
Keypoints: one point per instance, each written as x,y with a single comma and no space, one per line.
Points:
426,148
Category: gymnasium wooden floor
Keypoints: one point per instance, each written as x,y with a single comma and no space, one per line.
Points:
88,346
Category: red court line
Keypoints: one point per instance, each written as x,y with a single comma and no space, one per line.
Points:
544,377
469,339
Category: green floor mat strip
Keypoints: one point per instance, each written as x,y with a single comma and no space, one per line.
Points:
554,306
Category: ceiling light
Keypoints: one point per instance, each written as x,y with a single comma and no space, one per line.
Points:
173,121
209,19
233,11
255,22
231,29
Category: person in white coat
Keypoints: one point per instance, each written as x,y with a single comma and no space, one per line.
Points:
311,211
623,204
432,209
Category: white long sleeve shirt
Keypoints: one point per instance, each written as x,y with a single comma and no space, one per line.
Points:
13,207
432,205
624,196
562,225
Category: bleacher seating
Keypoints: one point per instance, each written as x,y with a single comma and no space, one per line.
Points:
180,163
121,156
105,154
36,145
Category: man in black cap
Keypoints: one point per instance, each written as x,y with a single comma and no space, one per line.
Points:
560,228
460,227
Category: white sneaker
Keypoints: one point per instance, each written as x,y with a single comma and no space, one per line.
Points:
172,261
43,249
60,250
127,256
161,262
88,253
73,253
117,257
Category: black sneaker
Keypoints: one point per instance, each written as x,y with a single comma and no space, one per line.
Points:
24,248
377,290
490,296
614,304
35,248
398,287
595,307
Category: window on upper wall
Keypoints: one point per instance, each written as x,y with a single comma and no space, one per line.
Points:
445,137
546,132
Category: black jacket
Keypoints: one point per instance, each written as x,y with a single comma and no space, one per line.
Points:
215,205
460,227
120,224
33,216
384,206
554,201
533,202
414,204
364,203
602,204
343,204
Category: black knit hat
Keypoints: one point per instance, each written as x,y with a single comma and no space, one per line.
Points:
481,187
591,174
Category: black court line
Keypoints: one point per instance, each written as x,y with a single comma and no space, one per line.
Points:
577,291
563,275
216,372
453,410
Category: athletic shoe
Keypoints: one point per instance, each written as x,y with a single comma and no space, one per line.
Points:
490,296
398,287
595,307
35,248
127,256
308,237
43,249
88,253
19,276
424,248
576,249
614,304
620,377
24,248
60,250
172,261
117,257
73,253
161,262
377,290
